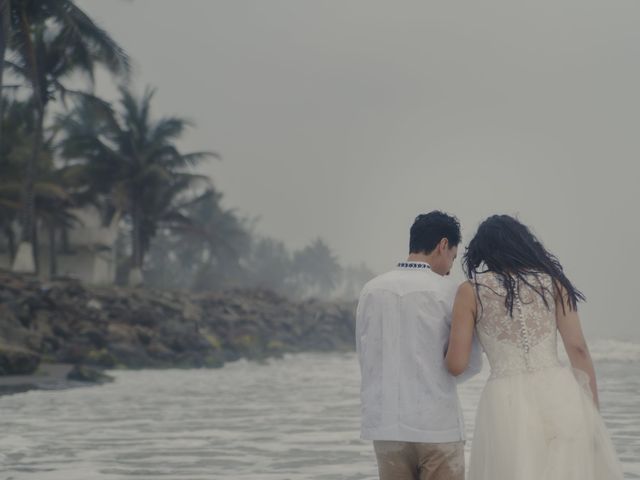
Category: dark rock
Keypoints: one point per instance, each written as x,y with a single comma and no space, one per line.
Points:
65,321
18,388
214,360
73,353
81,373
160,352
132,356
231,355
97,338
148,318
60,332
17,361
101,358
143,337
49,344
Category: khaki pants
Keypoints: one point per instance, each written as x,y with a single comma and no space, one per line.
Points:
419,461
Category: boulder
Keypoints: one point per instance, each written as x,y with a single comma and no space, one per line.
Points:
80,373
17,361
107,326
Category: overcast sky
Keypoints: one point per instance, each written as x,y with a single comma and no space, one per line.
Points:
345,119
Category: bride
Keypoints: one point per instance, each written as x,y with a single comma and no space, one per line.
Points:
536,419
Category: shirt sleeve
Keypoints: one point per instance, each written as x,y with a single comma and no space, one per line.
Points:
364,316
359,320
449,295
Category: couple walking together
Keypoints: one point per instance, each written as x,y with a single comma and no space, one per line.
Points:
418,335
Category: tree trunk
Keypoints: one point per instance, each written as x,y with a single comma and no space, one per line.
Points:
11,242
66,246
23,263
35,248
135,274
4,37
5,27
53,259
136,240
28,231
26,260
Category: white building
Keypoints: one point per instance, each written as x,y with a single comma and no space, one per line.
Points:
91,252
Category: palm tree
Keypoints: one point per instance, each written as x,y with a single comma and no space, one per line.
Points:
221,237
52,40
17,124
316,268
134,160
353,279
53,200
204,250
271,266
51,195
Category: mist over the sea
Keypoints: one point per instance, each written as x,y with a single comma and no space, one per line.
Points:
346,119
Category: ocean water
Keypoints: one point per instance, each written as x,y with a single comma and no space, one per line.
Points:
291,419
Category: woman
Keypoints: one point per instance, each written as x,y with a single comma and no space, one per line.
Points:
536,419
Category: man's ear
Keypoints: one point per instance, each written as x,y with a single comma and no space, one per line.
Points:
443,245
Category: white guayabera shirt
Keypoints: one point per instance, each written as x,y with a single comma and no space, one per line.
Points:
403,321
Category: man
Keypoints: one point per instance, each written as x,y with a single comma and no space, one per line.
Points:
410,406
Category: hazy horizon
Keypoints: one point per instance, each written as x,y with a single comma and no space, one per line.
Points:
346,119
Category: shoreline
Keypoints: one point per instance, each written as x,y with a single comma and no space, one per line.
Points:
55,376
50,376
107,327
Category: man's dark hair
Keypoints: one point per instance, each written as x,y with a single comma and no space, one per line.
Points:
429,228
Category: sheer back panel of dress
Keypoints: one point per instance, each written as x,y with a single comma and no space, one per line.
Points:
524,340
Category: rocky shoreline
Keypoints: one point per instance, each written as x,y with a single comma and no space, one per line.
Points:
66,322
53,376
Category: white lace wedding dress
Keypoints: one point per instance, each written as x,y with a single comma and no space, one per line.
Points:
536,419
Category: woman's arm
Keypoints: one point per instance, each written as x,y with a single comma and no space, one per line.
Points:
462,324
574,342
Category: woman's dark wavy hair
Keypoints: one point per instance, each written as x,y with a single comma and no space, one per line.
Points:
507,247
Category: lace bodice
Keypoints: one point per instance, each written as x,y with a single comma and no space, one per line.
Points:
525,342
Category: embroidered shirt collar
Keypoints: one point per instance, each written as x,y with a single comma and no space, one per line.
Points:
414,265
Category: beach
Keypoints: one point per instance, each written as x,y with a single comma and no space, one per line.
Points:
293,418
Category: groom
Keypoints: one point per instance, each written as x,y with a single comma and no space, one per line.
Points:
410,406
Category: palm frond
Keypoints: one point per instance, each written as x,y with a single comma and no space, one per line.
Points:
80,28
168,128
195,158
51,190
80,95
17,69
10,205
